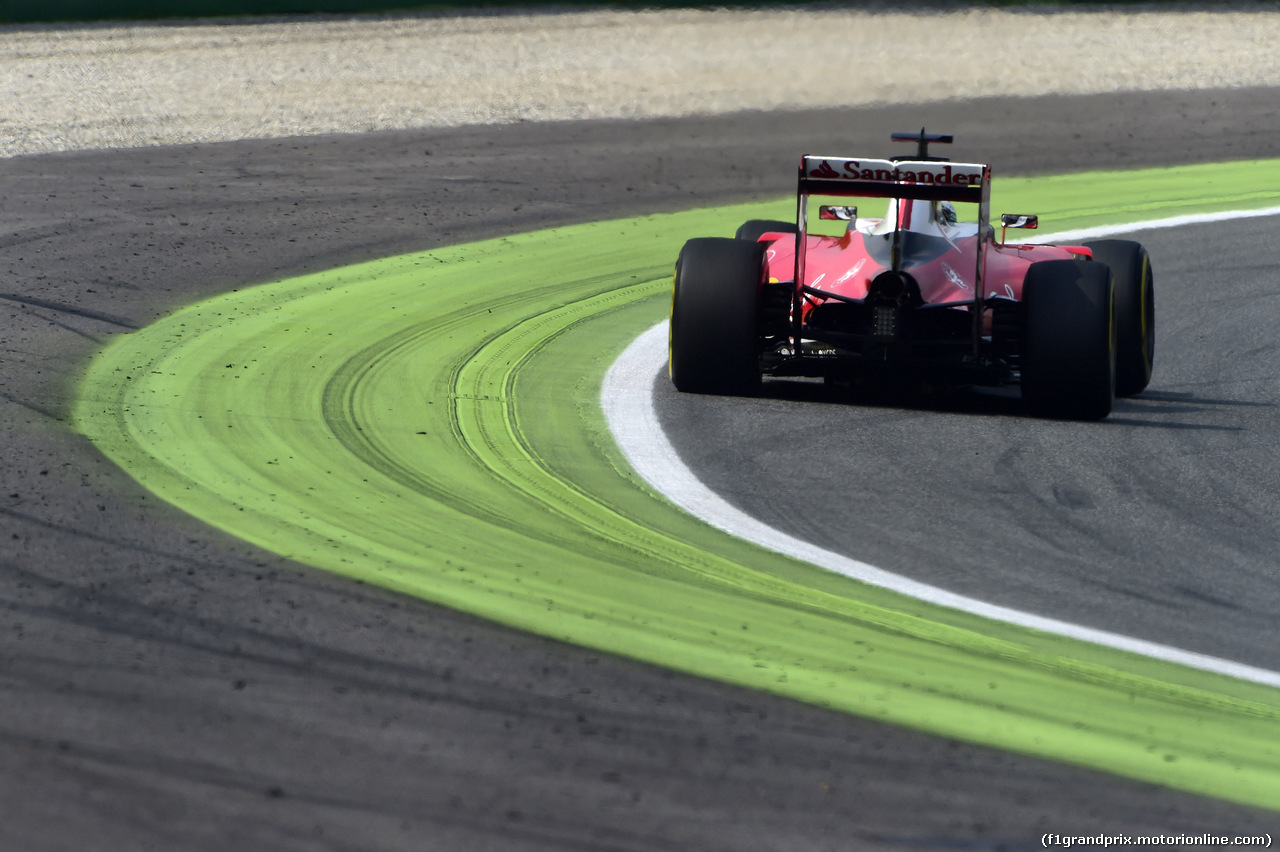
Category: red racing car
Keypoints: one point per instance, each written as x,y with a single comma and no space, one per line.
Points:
920,291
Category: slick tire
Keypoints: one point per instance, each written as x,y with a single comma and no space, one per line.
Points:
1069,340
714,340
1135,311
752,229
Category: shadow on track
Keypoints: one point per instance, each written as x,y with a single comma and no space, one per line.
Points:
1151,409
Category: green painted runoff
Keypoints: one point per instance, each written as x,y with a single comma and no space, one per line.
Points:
431,423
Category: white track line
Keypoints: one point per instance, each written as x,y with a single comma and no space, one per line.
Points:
1067,237
627,399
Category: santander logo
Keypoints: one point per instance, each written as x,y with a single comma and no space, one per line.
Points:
954,277
824,171
885,171
857,267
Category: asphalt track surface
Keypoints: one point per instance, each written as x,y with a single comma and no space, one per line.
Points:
166,686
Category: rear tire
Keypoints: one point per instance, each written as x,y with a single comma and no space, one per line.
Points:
714,339
1135,311
1069,340
752,229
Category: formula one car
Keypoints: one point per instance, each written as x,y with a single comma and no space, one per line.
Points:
920,293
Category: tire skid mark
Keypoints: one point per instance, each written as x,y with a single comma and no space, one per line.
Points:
498,443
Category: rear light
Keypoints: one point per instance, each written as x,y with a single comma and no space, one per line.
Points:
885,321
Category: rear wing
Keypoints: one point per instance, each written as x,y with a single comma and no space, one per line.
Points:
931,180
923,179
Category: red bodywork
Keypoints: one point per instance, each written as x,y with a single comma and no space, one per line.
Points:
843,266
